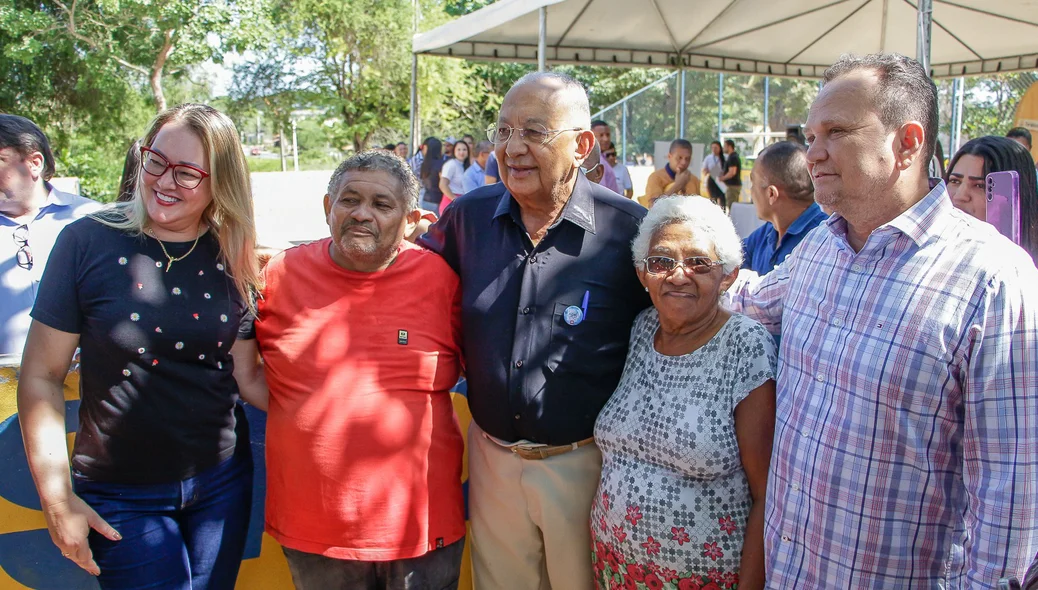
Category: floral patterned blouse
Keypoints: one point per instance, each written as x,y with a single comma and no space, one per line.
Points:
673,501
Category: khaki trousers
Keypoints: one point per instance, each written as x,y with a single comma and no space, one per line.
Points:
530,518
731,195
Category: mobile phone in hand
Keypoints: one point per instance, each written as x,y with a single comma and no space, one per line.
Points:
1003,203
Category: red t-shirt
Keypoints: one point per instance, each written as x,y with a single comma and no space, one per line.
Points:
363,447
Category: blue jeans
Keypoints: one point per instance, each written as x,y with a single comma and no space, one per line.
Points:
187,535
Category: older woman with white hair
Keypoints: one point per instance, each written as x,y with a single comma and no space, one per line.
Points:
686,436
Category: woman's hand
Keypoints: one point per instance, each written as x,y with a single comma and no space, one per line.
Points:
445,187
248,372
69,523
41,413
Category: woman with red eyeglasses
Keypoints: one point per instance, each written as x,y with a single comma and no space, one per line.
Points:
686,436
157,294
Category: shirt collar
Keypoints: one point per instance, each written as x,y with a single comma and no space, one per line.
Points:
804,221
919,222
55,198
579,209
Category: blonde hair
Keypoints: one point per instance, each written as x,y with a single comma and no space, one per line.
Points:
229,215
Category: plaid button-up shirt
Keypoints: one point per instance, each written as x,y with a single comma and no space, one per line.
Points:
906,440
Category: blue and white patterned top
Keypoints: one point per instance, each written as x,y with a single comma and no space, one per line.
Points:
673,498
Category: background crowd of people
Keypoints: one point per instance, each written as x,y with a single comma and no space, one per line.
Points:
845,398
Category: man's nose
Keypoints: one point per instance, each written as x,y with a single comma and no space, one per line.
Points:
515,145
816,151
362,212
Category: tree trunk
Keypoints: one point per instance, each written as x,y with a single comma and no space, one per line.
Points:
156,90
157,69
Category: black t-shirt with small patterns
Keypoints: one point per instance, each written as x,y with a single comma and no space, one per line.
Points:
158,396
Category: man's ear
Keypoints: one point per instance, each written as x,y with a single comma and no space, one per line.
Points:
585,143
772,192
411,221
910,138
327,205
35,161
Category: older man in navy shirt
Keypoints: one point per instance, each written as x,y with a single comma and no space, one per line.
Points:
549,294
784,197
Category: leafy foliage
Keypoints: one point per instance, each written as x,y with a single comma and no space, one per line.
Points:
992,103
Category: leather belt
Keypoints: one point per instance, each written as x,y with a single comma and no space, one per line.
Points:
544,452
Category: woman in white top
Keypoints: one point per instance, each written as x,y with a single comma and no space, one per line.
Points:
713,170
453,174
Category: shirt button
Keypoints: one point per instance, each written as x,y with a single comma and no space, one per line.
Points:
856,267
785,538
837,322
518,363
526,310
517,416
820,378
796,487
803,433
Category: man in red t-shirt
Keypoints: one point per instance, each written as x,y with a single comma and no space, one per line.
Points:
360,334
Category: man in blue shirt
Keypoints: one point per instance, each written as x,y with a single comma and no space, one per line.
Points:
475,176
784,197
32,214
549,295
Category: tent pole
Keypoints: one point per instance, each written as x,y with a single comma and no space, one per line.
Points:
922,44
956,133
767,92
623,132
720,104
414,81
414,103
681,109
542,33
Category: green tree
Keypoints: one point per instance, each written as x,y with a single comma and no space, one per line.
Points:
990,102
152,39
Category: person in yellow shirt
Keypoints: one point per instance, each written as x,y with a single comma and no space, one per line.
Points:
674,178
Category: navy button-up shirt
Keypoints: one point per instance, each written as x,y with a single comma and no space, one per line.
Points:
762,250
532,375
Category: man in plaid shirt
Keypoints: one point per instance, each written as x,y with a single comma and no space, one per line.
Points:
906,441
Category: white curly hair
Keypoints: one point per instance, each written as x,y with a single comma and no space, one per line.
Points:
701,217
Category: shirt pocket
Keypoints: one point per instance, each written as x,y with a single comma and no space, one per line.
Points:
586,347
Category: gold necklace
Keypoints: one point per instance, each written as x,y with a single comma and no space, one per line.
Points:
169,259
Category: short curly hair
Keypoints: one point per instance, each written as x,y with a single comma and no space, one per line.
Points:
378,160
701,217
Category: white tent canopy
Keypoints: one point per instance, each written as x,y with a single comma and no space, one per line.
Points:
798,38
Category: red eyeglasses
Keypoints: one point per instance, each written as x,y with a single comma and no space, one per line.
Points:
185,175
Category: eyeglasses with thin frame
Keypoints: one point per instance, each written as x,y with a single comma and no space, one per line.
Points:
661,265
532,134
21,239
185,175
